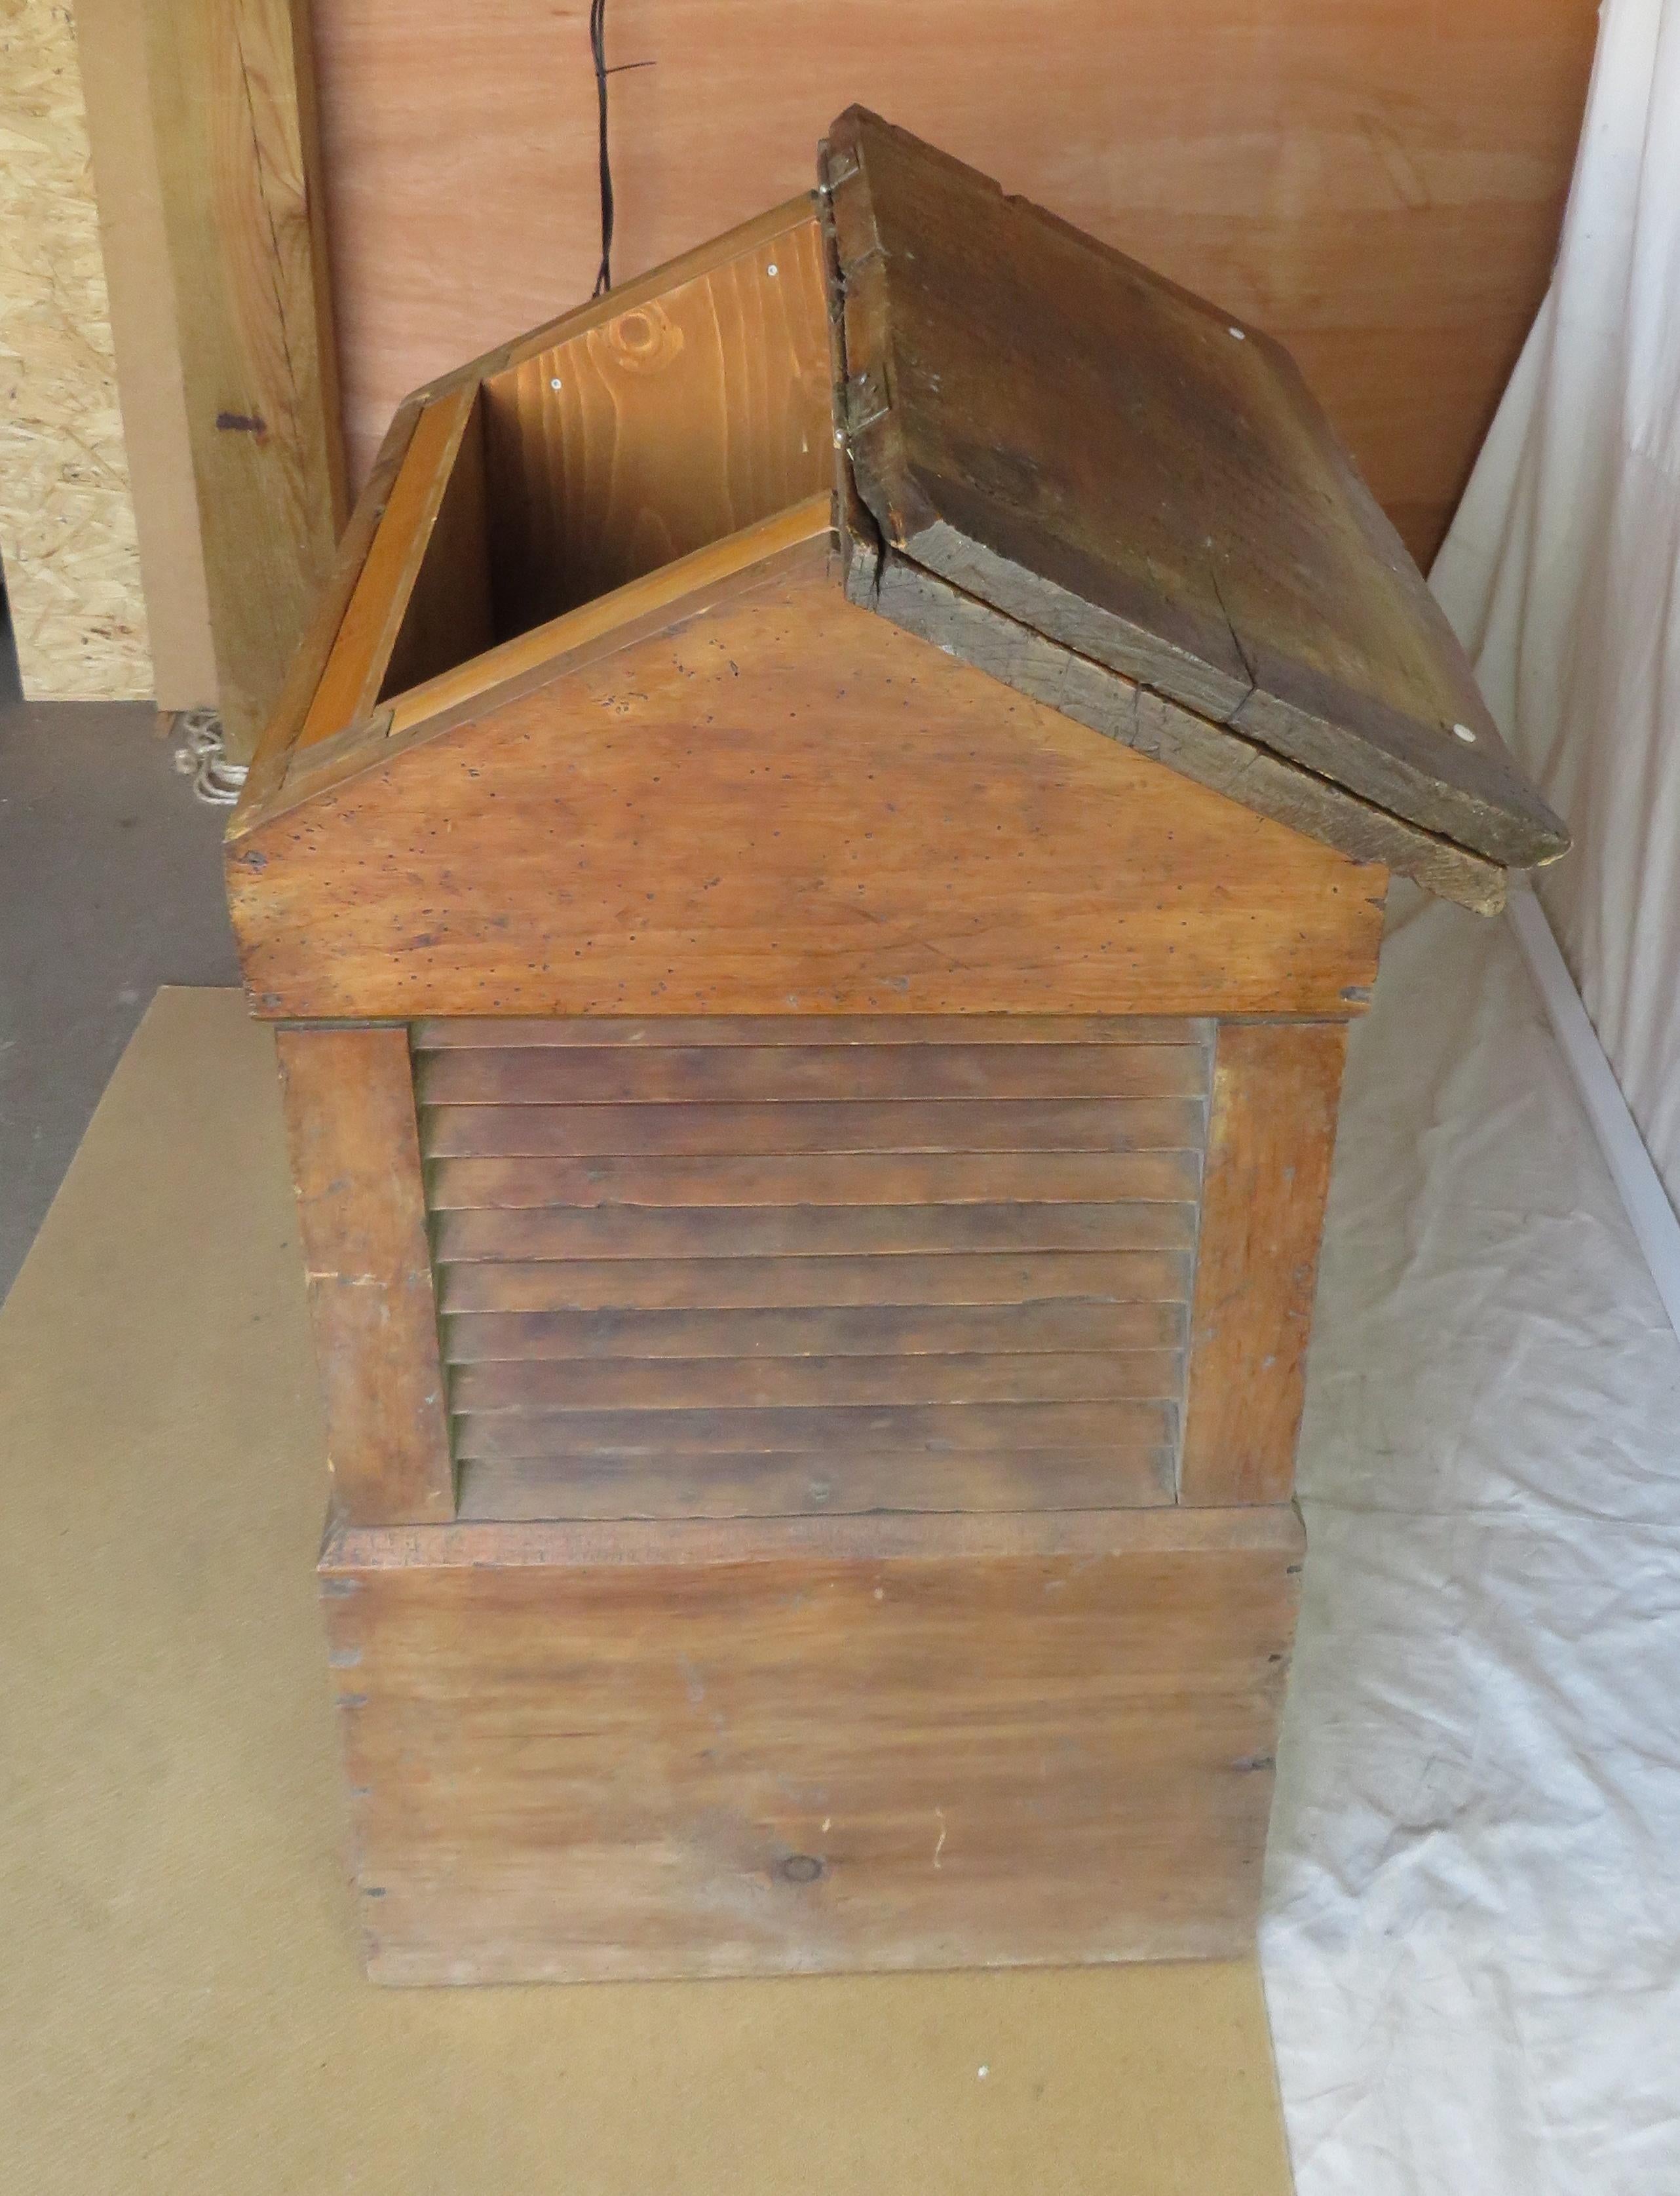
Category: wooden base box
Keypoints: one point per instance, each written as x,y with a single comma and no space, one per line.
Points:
812,881
799,1745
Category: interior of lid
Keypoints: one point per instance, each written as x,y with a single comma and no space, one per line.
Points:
649,434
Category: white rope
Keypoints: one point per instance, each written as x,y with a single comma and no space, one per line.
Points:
202,757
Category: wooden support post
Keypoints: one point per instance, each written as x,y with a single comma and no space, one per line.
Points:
1269,1144
356,1161
232,110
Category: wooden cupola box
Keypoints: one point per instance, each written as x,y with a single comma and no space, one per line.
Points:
811,881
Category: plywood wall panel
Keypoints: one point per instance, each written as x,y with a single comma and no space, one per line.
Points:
66,510
1377,182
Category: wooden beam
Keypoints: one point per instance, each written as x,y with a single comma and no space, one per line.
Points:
1269,1142
146,331
349,1098
233,111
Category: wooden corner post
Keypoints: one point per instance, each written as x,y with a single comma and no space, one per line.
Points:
348,1096
1275,1090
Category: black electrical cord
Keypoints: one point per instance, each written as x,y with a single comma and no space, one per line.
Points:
597,47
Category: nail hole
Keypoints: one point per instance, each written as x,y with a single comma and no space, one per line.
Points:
802,1868
555,384
771,268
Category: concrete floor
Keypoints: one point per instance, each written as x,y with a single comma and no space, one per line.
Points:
110,885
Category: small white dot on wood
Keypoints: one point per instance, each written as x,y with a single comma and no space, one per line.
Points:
771,268
555,384
1241,334
1464,732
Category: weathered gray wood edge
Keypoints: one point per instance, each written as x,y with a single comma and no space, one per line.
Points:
1139,717
1378,756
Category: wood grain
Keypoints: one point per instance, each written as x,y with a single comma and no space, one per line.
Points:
809,1231
234,115
788,1072
1270,1141
1379,186
660,429
851,1381
789,806
1209,751
853,1125
510,1032
1203,533
807,1330
277,743
835,1430
574,1284
669,1486
816,1178
808,1744
379,609
356,1160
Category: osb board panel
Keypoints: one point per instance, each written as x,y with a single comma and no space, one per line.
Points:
1378,186
788,805
66,509
181,1961
111,41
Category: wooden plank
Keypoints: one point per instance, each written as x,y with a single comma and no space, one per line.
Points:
356,1161
668,424
233,103
745,1486
824,1178
1001,1124
356,671
111,46
562,1284
1270,1141
1209,751
450,614
1203,533
713,574
681,1384
926,841
830,1430
276,747
501,1033
746,1074
812,1231
806,1330
807,1743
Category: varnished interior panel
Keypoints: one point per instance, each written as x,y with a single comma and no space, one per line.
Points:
726,1273
660,429
805,1744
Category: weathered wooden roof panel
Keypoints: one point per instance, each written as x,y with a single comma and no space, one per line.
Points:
1084,447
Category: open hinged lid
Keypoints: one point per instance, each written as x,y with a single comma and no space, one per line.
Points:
1083,448
988,431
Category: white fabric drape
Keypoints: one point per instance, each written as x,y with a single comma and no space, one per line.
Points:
1562,571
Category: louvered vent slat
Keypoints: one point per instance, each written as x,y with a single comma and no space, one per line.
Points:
714,1270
